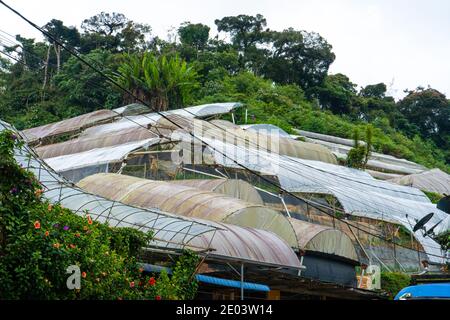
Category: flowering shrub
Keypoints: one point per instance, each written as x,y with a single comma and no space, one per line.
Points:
39,241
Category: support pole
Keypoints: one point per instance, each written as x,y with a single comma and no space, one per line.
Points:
242,281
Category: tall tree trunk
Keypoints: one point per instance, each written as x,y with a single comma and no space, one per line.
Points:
58,57
24,57
46,68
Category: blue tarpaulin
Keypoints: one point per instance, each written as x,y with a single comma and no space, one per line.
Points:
232,283
213,280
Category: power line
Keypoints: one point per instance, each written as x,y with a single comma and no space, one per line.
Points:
121,87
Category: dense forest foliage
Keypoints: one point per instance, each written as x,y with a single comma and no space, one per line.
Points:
281,76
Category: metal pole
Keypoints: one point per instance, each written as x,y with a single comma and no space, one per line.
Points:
242,281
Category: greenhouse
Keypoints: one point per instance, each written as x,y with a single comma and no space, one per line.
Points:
262,140
235,188
434,180
193,202
190,202
86,143
358,193
144,120
68,126
170,230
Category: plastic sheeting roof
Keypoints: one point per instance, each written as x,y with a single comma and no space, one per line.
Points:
266,128
188,201
239,189
170,231
340,147
192,202
314,237
264,140
68,125
249,244
433,180
86,143
357,191
97,156
200,111
86,120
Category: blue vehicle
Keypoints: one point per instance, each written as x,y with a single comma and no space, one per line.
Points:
431,291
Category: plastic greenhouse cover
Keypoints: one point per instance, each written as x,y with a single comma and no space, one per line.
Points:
433,180
68,125
204,110
97,156
267,128
170,231
359,193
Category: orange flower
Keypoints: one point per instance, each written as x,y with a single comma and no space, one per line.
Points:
37,225
72,246
38,192
89,219
77,234
47,233
56,245
83,274
50,207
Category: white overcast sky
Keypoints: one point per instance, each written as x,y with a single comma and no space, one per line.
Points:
401,42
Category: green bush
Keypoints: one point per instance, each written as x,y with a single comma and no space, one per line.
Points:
393,282
39,241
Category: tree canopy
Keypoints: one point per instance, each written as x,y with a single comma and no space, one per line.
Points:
282,76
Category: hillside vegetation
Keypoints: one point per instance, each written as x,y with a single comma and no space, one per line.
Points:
281,76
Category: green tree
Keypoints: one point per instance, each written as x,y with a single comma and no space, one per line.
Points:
114,32
359,155
245,30
336,94
194,35
428,110
298,57
374,91
84,90
164,82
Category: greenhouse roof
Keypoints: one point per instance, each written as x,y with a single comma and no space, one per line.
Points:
170,231
188,201
358,193
68,125
200,111
434,180
97,156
